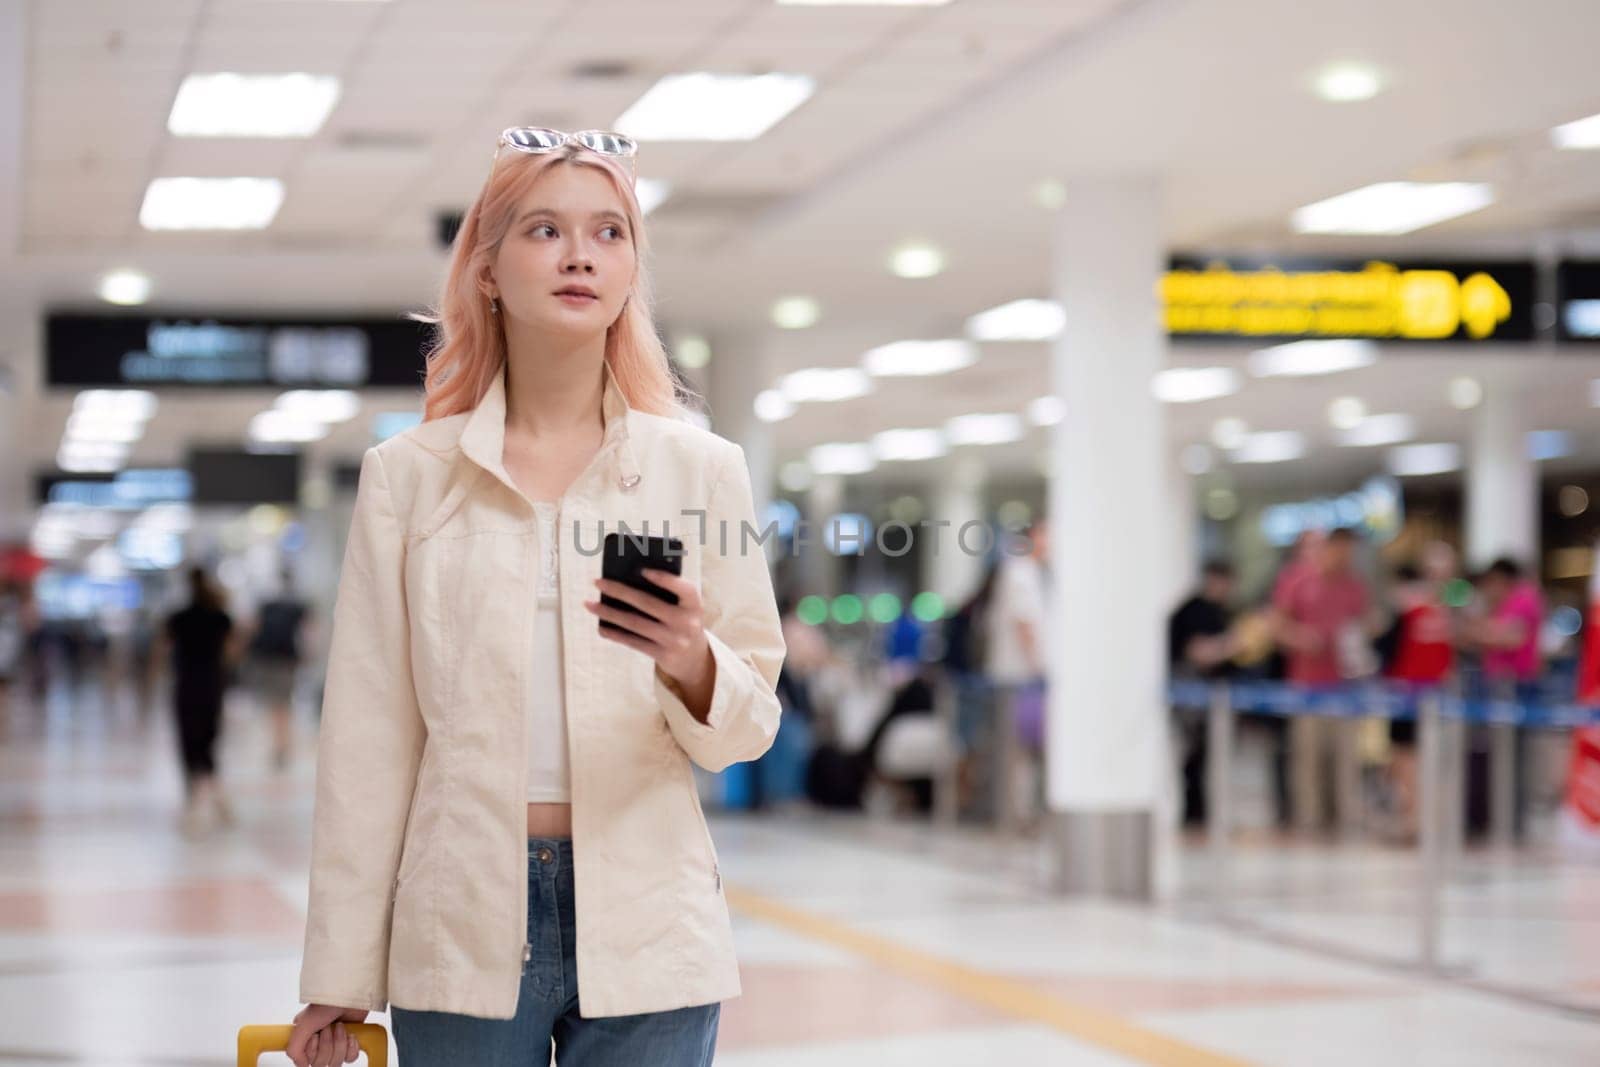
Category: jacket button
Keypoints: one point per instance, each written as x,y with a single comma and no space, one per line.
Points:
545,855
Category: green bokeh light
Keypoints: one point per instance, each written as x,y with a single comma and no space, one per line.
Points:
846,608
812,610
928,606
1457,593
885,607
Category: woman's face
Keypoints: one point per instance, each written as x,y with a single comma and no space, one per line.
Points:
570,230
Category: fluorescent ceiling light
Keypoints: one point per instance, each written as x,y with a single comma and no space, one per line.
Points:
115,403
795,313
983,429
1304,358
1585,133
126,288
252,105
1346,412
1393,208
772,406
822,384
210,203
1229,433
909,444
916,261
276,427
841,458
83,426
702,106
1343,83
1188,385
320,405
919,358
650,193
1278,446
1020,320
1465,393
1549,444
1417,460
1046,410
1377,430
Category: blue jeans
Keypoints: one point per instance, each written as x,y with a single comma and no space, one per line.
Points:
547,1007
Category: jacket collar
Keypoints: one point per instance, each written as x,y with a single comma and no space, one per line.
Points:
483,437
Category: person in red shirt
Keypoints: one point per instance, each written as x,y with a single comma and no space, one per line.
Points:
1323,619
1424,655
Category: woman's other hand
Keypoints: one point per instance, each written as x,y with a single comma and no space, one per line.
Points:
320,1038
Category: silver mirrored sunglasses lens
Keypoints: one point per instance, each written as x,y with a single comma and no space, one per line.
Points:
533,137
610,143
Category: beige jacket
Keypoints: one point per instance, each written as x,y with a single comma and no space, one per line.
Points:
419,875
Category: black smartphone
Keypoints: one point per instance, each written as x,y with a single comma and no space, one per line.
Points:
625,555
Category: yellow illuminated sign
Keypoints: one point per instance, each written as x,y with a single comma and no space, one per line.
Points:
1380,300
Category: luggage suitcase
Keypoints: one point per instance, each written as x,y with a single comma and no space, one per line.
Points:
254,1040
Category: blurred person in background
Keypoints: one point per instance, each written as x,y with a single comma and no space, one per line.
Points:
965,653
276,644
1420,658
203,644
1200,645
1505,634
1318,606
1016,664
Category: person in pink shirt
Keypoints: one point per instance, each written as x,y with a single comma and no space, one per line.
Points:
1506,636
1323,618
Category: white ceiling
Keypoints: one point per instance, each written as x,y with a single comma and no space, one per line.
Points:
931,123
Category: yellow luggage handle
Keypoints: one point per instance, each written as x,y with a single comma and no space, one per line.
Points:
254,1040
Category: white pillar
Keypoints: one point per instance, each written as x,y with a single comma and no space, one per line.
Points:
957,500
1502,481
737,372
819,568
1109,547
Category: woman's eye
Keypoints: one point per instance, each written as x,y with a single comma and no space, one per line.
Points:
615,229
542,226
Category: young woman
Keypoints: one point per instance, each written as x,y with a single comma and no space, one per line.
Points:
508,848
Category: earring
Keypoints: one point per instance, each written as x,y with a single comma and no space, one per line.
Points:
494,306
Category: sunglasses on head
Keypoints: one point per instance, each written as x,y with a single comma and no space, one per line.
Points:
536,140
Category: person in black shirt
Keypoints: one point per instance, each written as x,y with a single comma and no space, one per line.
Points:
198,637
1199,646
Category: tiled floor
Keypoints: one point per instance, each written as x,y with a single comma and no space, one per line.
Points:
122,943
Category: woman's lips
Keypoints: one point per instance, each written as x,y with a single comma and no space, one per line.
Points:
576,299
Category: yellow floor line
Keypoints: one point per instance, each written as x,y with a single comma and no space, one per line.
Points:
1004,995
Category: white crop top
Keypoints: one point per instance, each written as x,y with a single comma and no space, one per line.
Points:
548,775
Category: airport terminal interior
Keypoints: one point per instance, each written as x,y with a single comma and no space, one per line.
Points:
1172,428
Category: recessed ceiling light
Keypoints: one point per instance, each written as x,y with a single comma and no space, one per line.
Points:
795,312
1411,461
210,203
772,406
1020,320
825,384
1348,82
919,358
1188,385
1583,134
909,444
1304,358
1229,433
1277,446
841,458
1393,208
1465,393
983,429
916,261
1346,412
1377,430
126,288
692,351
252,105
702,106
1050,194
1046,410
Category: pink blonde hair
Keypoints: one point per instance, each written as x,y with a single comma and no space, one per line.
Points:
469,347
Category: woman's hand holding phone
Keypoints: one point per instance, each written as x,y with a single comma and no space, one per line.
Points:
671,634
